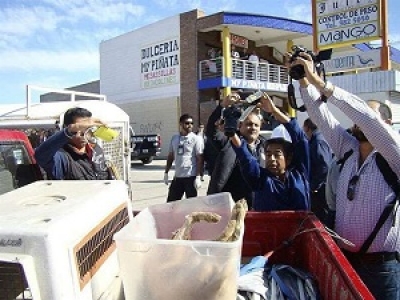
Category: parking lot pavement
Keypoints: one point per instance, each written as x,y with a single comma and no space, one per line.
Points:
148,184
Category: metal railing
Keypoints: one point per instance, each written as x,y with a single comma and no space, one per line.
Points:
244,69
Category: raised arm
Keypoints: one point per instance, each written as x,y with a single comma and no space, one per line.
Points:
334,133
383,138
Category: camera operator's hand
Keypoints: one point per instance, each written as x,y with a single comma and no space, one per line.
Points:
307,62
312,76
235,140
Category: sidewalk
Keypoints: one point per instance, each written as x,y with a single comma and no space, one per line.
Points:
148,184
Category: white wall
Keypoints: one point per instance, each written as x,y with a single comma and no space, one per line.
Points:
155,116
122,77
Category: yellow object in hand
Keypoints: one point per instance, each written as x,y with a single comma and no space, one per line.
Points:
105,133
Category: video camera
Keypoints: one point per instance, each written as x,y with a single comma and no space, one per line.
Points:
297,71
233,114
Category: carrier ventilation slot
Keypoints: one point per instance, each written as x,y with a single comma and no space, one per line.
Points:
13,284
96,247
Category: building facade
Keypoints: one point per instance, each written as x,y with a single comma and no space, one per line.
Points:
186,63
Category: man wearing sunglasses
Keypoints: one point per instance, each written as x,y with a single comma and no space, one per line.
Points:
68,154
186,149
362,192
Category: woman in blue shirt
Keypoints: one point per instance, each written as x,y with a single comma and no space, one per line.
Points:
284,182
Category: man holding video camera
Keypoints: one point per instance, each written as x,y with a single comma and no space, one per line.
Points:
226,175
363,195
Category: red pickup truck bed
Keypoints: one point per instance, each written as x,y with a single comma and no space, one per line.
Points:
300,240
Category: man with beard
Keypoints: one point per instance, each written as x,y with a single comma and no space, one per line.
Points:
186,149
284,182
67,154
227,175
362,191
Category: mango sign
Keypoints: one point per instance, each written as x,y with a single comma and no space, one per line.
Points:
344,22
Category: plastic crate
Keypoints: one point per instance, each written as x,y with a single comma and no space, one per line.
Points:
300,240
155,267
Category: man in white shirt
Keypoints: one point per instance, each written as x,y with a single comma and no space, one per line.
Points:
254,57
186,149
253,66
362,191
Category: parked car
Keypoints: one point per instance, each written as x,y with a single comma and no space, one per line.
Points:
145,147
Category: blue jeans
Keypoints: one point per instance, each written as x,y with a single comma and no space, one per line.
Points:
382,279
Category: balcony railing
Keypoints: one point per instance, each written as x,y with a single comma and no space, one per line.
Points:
244,69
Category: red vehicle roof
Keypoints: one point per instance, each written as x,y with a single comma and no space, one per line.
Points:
18,136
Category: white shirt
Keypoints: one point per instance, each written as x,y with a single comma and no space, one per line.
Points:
254,58
185,149
356,219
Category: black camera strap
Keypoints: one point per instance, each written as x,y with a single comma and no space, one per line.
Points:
292,98
392,180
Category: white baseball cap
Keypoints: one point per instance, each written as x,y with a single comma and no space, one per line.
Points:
280,132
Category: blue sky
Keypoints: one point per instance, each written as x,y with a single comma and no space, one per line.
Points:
55,43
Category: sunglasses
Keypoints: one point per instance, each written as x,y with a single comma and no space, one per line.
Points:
188,123
351,188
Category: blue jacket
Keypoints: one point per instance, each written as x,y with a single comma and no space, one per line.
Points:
60,161
271,193
320,160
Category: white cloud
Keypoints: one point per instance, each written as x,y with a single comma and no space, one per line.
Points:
104,12
37,61
217,6
169,4
209,6
18,24
301,12
23,21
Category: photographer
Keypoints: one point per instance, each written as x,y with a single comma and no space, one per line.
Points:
363,193
226,175
284,183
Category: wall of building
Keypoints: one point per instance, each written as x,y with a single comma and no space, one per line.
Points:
189,59
154,117
136,66
140,71
89,87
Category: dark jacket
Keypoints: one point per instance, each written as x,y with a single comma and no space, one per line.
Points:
271,193
60,161
320,160
227,175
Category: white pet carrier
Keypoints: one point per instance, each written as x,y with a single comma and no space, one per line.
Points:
56,240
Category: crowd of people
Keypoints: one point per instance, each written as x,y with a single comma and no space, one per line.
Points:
38,136
347,176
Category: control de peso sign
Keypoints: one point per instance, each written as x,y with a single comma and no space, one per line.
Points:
340,23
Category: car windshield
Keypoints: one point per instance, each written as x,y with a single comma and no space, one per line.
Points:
12,155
